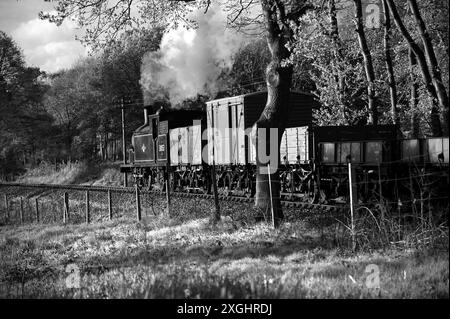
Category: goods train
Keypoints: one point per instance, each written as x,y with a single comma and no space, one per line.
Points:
181,146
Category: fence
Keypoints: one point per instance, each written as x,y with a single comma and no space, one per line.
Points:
404,199
72,204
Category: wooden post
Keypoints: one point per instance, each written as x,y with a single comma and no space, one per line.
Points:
66,208
430,210
110,205
21,209
379,183
381,194
138,204
216,194
271,198
124,153
125,179
411,186
399,201
167,197
87,207
352,198
168,189
36,205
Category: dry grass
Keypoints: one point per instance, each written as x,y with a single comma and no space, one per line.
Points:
91,173
162,258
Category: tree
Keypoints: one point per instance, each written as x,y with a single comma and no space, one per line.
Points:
24,124
121,62
432,79
120,69
329,47
248,72
441,92
368,63
389,63
333,61
75,98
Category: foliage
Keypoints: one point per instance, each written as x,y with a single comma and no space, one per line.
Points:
25,126
336,66
85,99
336,71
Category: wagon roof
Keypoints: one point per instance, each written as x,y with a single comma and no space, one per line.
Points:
243,96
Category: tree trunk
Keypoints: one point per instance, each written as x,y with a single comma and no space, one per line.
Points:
339,77
101,145
106,147
435,121
389,64
333,19
415,127
368,63
434,65
274,116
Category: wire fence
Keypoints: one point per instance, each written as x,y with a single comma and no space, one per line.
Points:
74,205
70,204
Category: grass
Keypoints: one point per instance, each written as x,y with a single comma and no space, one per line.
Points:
186,257
92,173
166,258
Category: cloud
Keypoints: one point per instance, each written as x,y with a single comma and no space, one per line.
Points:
48,46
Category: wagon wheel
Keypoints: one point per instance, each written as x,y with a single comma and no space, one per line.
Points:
247,186
311,196
236,180
306,181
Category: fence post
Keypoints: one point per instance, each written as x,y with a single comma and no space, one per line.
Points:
66,208
379,183
36,205
381,194
87,207
138,204
21,209
110,205
167,196
215,191
351,177
271,198
411,186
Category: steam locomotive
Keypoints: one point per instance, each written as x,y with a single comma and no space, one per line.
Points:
181,146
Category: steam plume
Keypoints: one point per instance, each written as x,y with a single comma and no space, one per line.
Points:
190,61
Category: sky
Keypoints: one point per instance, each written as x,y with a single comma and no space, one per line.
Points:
43,44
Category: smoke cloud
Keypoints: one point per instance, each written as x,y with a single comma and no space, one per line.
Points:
190,61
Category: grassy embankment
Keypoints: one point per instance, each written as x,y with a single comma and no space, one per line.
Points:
187,257
162,258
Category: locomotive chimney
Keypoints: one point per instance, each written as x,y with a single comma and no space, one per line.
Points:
145,115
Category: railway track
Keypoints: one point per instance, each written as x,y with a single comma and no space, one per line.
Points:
241,199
